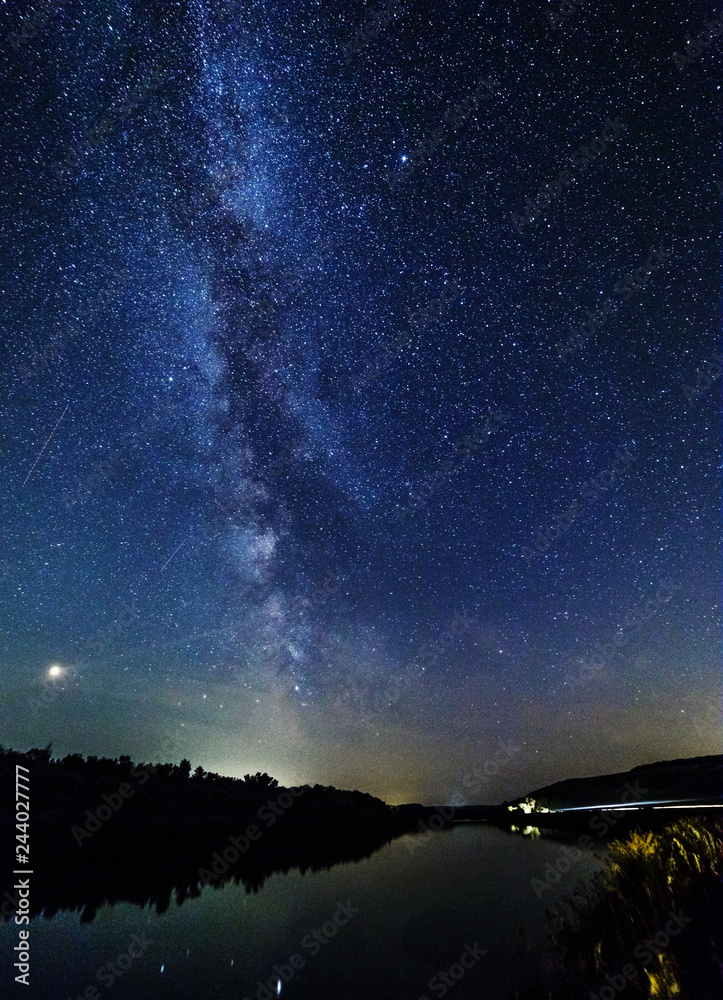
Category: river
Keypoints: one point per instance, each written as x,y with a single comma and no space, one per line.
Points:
379,928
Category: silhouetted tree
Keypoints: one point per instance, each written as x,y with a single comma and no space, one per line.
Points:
260,780
74,760
38,756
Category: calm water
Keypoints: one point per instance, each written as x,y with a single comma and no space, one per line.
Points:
412,915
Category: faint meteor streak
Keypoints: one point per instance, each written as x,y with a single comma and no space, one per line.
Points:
45,445
173,553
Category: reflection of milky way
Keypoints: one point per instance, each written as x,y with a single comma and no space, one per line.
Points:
328,522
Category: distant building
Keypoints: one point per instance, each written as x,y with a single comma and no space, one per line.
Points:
528,806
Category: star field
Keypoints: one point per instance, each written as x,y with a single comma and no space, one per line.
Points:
360,387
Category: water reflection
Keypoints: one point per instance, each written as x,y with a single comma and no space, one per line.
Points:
419,914
526,831
84,881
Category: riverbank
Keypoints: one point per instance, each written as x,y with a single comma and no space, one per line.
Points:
648,925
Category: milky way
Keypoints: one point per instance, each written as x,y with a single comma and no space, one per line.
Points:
360,386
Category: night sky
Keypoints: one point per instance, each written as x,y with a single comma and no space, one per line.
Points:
334,443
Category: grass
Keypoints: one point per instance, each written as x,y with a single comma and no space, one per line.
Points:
618,920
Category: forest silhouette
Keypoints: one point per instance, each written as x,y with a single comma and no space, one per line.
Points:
105,830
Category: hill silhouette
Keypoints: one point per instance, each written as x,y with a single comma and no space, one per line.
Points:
691,779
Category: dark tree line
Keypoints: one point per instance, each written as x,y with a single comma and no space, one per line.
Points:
66,789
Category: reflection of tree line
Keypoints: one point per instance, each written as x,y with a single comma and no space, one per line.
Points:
147,830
